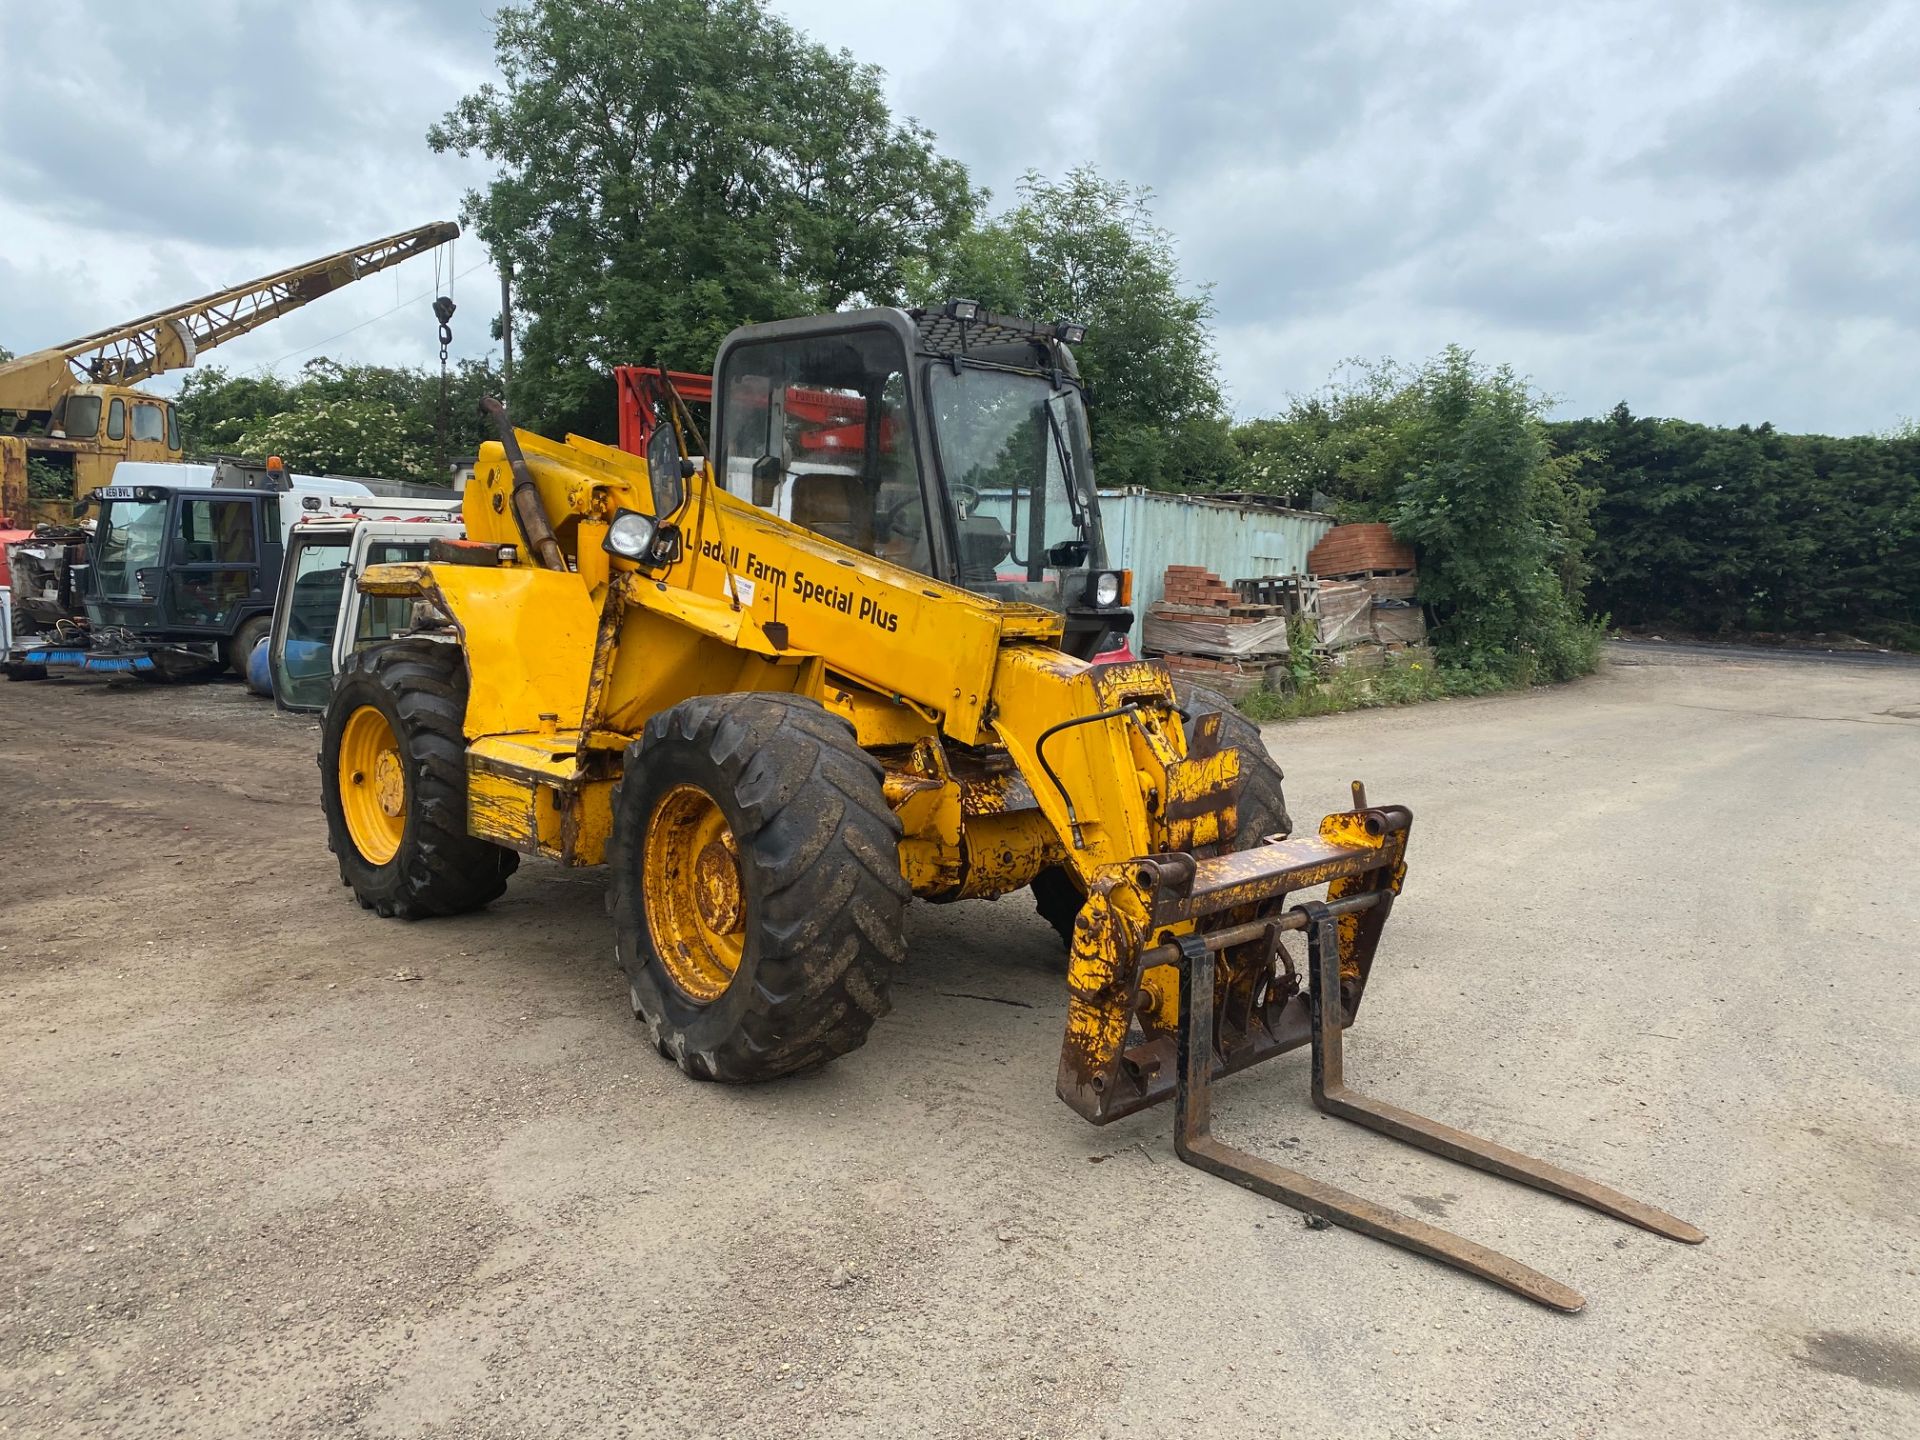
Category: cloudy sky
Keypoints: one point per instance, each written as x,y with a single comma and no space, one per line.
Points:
1709,210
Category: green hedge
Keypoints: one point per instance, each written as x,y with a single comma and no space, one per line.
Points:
1705,529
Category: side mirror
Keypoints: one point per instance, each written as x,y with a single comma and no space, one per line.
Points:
669,482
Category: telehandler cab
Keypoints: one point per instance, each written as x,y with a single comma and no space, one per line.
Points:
839,660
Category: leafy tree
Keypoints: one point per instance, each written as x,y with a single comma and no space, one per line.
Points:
340,419
216,407
670,169
1500,523
1348,441
340,437
1087,249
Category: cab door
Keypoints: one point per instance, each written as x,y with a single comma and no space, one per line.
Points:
320,617
216,562
305,613
152,433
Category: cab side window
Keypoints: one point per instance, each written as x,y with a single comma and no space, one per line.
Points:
384,616
216,569
149,423
117,420
216,532
818,430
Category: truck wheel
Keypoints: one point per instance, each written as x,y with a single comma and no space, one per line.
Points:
1263,806
236,651
393,781
20,670
757,901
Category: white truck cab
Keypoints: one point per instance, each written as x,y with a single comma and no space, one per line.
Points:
320,617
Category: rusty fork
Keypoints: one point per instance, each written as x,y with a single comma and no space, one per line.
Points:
1193,1139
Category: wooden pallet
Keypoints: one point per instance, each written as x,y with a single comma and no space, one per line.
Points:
1367,575
1280,594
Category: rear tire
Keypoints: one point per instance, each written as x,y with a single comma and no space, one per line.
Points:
758,905
1262,809
396,799
18,671
236,651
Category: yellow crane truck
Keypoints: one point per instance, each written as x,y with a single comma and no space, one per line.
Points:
842,659
73,407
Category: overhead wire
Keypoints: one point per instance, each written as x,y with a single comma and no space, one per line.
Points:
427,295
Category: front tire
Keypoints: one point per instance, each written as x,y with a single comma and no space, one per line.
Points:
1262,808
393,782
757,900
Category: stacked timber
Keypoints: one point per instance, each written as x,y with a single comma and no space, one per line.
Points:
1367,585
1206,633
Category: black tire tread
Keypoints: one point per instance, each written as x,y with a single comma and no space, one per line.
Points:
441,869
830,898
238,650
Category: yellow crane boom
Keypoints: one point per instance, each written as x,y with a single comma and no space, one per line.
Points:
173,338
70,405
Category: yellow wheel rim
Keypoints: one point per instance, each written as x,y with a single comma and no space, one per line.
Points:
696,905
373,785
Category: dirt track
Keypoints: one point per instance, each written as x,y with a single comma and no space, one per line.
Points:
272,1166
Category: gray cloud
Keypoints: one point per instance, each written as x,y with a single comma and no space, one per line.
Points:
207,145
1706,210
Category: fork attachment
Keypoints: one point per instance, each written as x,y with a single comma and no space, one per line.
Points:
1194,1142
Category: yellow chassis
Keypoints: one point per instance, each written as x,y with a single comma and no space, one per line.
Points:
1002,755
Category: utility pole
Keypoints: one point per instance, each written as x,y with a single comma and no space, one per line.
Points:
506,330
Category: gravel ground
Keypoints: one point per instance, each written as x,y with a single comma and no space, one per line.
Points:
272,1166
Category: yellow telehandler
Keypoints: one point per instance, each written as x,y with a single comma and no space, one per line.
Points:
783,681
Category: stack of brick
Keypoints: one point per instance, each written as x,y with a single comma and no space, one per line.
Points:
1190,586
1353,551
1367,587
1205,633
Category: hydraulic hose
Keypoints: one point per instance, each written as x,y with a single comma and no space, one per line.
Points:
530,514
1040,754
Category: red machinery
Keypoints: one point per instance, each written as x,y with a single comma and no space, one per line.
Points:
642,397
839,420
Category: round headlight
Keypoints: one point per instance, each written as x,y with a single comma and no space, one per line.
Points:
631,534
1106,590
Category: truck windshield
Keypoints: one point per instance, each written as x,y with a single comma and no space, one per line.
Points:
128,541
79,417
1019,479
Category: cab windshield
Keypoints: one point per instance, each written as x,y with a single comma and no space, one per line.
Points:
1018,476
130,535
